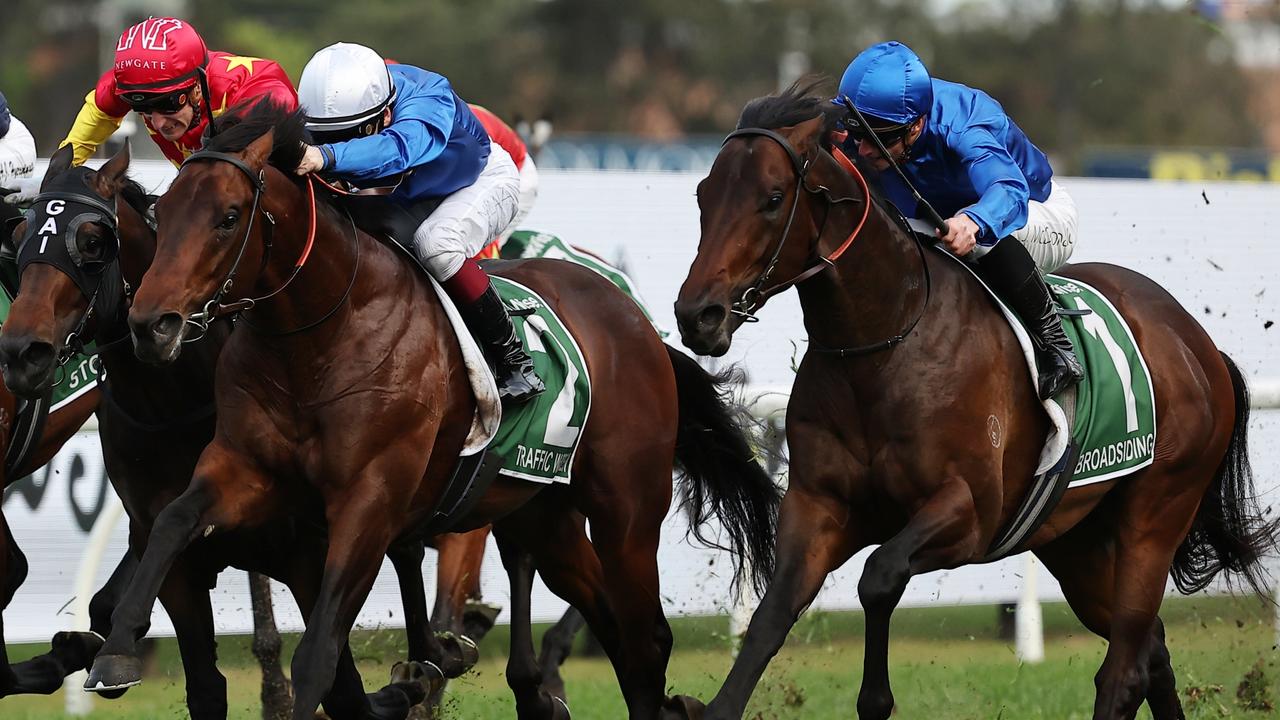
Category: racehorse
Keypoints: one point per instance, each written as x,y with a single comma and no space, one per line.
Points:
891,416
70,651
342,382
154,422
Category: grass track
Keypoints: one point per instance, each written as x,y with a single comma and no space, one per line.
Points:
945,663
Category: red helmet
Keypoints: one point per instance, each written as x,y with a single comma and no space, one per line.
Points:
158,55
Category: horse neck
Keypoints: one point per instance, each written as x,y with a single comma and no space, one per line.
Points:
873,292
321,285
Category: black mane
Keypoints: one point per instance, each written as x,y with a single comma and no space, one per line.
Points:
798,103
136,196
250,120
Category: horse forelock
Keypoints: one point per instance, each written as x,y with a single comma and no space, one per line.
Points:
800,102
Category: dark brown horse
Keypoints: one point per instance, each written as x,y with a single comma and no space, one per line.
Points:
346,387
154,422
889,440
70,651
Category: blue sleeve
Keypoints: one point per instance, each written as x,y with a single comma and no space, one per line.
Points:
417,135
1002,189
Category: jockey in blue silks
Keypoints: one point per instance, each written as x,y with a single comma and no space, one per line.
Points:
381,125
969,160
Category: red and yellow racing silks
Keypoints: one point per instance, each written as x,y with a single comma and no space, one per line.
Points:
232,79
501,133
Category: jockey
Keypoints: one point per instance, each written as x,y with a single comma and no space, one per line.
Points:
970,161
164,72
402,125
502,134
17,160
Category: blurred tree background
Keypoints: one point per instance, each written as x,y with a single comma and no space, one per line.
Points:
1073,73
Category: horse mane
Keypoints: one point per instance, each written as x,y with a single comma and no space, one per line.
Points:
805,100
245,122
136,196
798,103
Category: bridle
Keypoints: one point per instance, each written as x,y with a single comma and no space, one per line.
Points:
214,309
101,281
753,297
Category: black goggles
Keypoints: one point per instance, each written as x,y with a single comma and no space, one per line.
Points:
170,102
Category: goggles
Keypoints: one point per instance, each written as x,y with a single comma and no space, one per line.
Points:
169,102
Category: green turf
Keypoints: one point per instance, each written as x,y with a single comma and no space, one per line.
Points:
945,663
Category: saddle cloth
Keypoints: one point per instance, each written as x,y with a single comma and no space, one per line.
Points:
1110,415
537,440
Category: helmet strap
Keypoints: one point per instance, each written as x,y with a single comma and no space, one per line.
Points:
206,104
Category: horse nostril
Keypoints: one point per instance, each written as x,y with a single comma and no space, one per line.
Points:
166,326
37,355
711,317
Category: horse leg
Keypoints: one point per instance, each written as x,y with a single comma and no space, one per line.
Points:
815,536
185,597
458,606
557,644
226,492
1144,548
943,532
406,557
346,699
359,536
1083,561
523,676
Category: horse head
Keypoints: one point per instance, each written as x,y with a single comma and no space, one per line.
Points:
215,228
68,249
764,211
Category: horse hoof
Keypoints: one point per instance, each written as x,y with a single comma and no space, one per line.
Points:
460,654
682,707
114,672
419,680
478,618
559,709
75,650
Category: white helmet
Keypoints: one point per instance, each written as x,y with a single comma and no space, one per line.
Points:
345,87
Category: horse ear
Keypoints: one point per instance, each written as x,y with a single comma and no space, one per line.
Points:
58,164
110,177
259,150
806,135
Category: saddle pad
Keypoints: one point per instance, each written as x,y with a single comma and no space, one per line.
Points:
1115,421
77,377
538,439
533,244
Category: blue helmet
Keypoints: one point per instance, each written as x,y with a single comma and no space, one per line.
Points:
4,116
888,82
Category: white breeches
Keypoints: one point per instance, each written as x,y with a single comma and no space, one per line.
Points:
468,219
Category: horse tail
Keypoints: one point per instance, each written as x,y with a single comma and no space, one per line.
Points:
1230,532
720,475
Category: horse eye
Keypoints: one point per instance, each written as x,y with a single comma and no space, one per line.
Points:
774,202
229,221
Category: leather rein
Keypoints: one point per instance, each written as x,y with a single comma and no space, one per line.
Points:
753,297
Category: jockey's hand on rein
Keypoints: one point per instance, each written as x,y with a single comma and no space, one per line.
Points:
961,235
312,160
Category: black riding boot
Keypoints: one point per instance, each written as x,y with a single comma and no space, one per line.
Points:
1012,274
488,320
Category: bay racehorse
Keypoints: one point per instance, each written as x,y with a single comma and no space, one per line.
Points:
343,385
154,422
888,418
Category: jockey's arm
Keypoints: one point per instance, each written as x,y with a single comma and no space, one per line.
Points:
416,136
1002,189
17,154
99,117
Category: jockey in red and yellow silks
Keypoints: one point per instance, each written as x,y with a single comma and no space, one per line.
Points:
503,134
164,72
